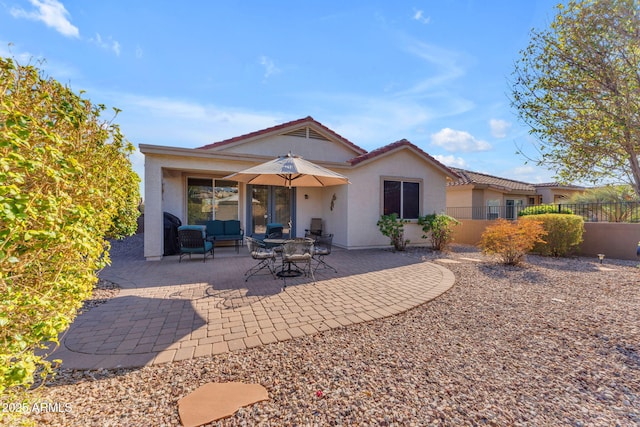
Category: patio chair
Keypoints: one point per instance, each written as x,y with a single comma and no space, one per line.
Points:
322,249
193,240
265,256
298,253
274,231
315,228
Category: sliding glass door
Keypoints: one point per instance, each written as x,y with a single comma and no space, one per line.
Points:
270,204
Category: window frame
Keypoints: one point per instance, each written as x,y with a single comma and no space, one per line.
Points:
213,180
402,180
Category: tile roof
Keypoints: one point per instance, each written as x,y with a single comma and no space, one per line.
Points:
291,124
558,185
396,145
469,177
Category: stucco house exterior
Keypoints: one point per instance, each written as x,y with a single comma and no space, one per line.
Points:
187,183
477,195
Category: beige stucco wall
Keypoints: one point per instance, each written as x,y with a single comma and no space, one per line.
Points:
547,195
365,196
459,197
468,232
310,149
557,195
615,240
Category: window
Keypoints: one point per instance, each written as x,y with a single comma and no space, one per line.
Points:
402,198
493,209
211,199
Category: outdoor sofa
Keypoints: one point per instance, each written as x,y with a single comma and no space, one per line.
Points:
225,231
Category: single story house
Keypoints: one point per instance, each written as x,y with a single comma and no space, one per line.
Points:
481,196
188,183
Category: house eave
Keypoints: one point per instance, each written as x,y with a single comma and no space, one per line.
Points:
160,150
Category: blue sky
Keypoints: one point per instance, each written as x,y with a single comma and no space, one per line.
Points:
433,72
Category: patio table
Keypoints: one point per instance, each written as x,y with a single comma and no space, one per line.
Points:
272,243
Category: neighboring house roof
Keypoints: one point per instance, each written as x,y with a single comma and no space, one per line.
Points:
399,145
559,186
481,179
281,128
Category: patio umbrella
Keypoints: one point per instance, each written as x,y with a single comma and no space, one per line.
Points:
289,171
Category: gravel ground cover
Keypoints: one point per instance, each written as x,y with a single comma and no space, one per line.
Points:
552,342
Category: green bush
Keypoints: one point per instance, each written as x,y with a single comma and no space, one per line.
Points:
544,209
66,184
439,228
564,234
393,227
511,240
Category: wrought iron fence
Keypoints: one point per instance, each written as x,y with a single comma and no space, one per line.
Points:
591,212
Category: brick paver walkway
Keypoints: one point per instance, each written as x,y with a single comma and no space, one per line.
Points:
169,311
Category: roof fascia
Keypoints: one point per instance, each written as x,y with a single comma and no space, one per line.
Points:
199,153
321,129
449,173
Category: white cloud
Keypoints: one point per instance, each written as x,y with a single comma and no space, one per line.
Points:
499,128
179,123
269,66
108,44
52,13
530,174
453,161
447,66
419,16
457,140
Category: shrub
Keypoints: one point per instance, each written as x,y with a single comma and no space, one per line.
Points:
393,227
545,209
564,234
66,183
440,228
511,240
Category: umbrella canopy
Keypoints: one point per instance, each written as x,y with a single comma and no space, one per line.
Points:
289,171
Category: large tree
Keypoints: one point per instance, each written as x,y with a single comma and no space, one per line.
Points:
577,86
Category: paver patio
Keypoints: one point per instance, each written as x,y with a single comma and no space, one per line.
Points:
169,311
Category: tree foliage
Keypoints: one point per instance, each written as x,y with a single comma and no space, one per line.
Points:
606,194
577,87
66,184
612,203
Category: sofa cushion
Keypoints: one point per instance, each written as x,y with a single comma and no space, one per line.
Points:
232,227
215,227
